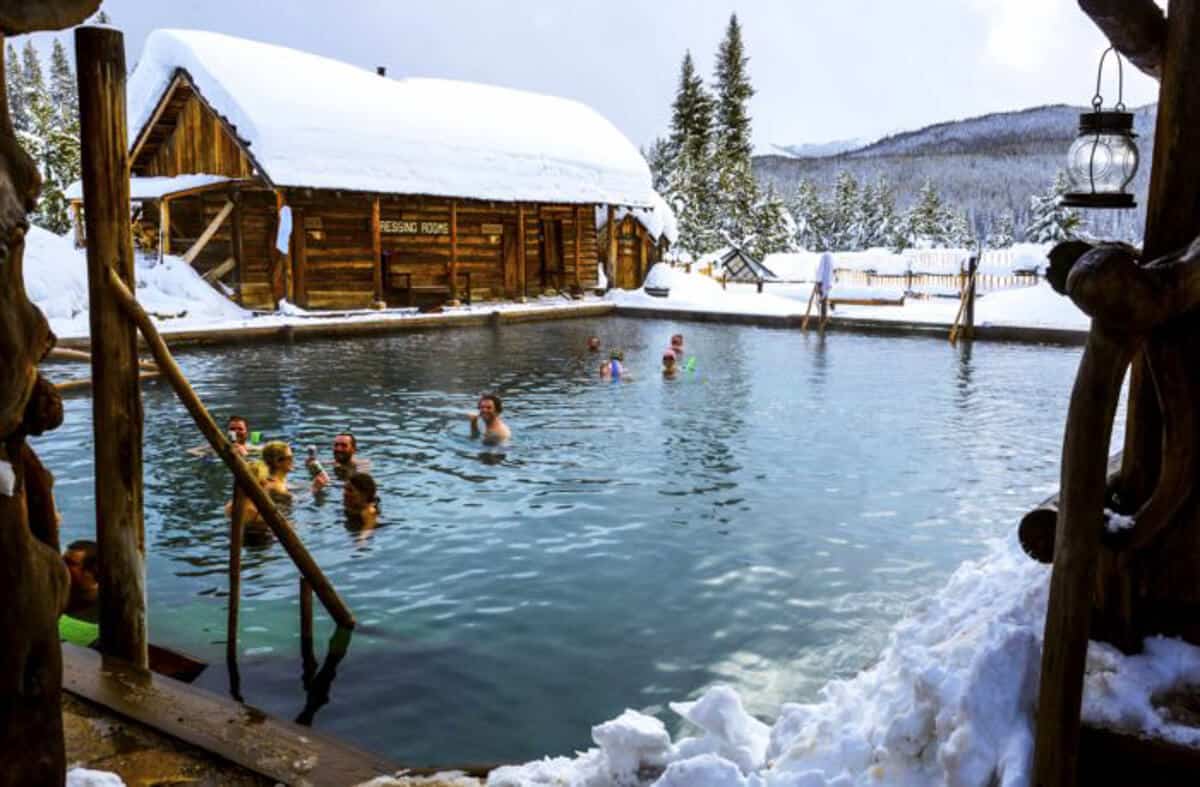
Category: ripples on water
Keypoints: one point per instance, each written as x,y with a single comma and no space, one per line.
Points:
762,521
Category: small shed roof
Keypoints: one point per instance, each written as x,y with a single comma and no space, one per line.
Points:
312,121
738,265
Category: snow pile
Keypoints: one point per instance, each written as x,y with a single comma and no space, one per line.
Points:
313,121
950,702
56,280
154,187
658,220
82,777
697,292
801,266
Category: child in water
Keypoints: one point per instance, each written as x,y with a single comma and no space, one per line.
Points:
612,368
669,367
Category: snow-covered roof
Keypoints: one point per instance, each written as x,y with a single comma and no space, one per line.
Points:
658,219
155,187
317,122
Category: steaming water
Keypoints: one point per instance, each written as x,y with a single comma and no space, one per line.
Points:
762,521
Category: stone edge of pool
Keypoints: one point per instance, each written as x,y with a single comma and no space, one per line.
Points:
320,329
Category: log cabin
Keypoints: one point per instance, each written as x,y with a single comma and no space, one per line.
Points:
639,238
280,174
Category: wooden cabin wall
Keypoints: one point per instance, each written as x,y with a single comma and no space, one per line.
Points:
636,252
259,223
199,143
338,257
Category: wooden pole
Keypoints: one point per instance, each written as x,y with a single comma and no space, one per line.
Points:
236,537
521,249
969,320
299,246
325,591
116,398
811,297
308,656
610,268
376,250
164,227
77,224
453,270
578,247
237,242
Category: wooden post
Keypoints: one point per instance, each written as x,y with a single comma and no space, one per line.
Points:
236,536
969,321
610,268
164,227
308,656
116,396
642,256
578,247
237,243
453,270
299,247
376,250
325,591
521,249
77,224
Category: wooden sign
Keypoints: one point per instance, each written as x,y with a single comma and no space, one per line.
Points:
491,229
393,227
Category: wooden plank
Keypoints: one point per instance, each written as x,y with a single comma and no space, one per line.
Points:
578,247
611,263
452,269
521,251
237,243
154,117
164,227
190,255
220,270
116,395
376,251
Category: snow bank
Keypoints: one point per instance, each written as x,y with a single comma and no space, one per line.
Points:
56,280
313,121
659,219
801,266
82,777
950,702
696,292
154,187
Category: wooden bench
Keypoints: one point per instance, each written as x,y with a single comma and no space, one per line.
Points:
402,281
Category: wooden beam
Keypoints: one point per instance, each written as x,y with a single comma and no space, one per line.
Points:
161,107
376,250
521,249
164,227
578,247
1137,28
216,273
190,255
283,531
453,249
77,224
611,265
299,247
116,395
237,243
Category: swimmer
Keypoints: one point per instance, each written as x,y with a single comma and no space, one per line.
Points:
669,369
237,429
250,515
494,430
346,461
677,345
360,498
82,559
612,369
277,455
594,343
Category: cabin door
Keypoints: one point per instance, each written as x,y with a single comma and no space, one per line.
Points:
512,259
551,237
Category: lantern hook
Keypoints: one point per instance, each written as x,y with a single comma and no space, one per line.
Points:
1098,100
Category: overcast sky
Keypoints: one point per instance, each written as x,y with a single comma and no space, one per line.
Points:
823,69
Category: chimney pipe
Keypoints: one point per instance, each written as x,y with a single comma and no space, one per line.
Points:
381,70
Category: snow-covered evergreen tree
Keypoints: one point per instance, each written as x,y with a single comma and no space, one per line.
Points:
1050,222
737,190
846,214
658,158
15,88
811,215
773,226
690,184
64,94
51,135
926,222
959,234
1001,234
878,215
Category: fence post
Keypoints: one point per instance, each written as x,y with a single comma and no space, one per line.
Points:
116,395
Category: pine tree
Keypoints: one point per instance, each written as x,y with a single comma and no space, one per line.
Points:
811,216
690,184
878,212
773,226
102,19
926,223
51,137
1050,222
737,190
846,214
1001,234
64,93
658,158
959,234
15,87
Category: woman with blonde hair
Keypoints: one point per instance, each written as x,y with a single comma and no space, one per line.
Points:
278,458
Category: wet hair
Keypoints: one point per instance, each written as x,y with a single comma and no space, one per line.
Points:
495,400
258,470
91,554
353,441
668,355
364,484
676,336
233,418
273,453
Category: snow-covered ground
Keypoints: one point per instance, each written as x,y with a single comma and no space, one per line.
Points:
1028,307
181,301
950,702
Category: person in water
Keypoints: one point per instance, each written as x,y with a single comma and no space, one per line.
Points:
79,623
277,456
487,421
669,367
360,499
238,430
594,343
612,369
251,518
677,346
346,461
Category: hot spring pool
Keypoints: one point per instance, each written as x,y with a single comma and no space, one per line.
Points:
762,521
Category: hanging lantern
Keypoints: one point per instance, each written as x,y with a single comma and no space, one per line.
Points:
1104,158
